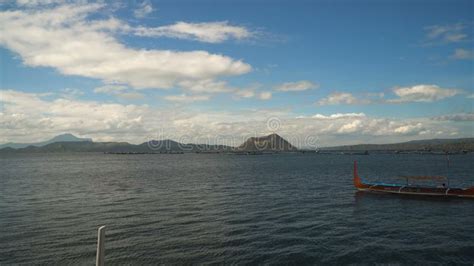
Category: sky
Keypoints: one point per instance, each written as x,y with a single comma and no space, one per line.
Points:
319,73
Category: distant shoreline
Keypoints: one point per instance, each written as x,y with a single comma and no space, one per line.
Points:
250,153
270,144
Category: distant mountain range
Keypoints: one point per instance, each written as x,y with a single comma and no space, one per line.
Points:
464,144
60,138
270,143
154,146
70,143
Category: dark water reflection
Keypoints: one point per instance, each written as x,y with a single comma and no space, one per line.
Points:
278,209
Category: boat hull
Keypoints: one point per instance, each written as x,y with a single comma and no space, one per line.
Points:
411,190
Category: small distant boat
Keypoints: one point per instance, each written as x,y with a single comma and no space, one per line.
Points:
408,189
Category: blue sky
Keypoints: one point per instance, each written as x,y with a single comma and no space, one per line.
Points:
342,71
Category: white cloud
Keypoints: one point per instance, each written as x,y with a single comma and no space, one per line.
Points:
132,95
252,93
120,91
460,117
110,89
205,85
446,33
30,100
211,32
143,9
342,98
409,129
350,127
184,98
35,3
417,93
29,115
463,54
338,116
71,92
244,93
266,95
297,86
422,93
212,86
358,124
65,39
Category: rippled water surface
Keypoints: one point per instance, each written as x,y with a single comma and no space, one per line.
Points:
196,208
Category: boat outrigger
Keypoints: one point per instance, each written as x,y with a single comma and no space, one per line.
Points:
408,189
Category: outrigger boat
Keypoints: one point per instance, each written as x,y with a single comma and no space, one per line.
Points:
408,189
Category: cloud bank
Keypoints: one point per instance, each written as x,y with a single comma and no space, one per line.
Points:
416,93
36,116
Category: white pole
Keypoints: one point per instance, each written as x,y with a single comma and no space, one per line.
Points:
100,246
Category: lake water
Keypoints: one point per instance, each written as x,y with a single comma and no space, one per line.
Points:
198,208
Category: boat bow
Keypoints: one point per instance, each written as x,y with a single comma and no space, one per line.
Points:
357,180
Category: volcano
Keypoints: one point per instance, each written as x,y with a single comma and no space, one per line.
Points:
272,142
